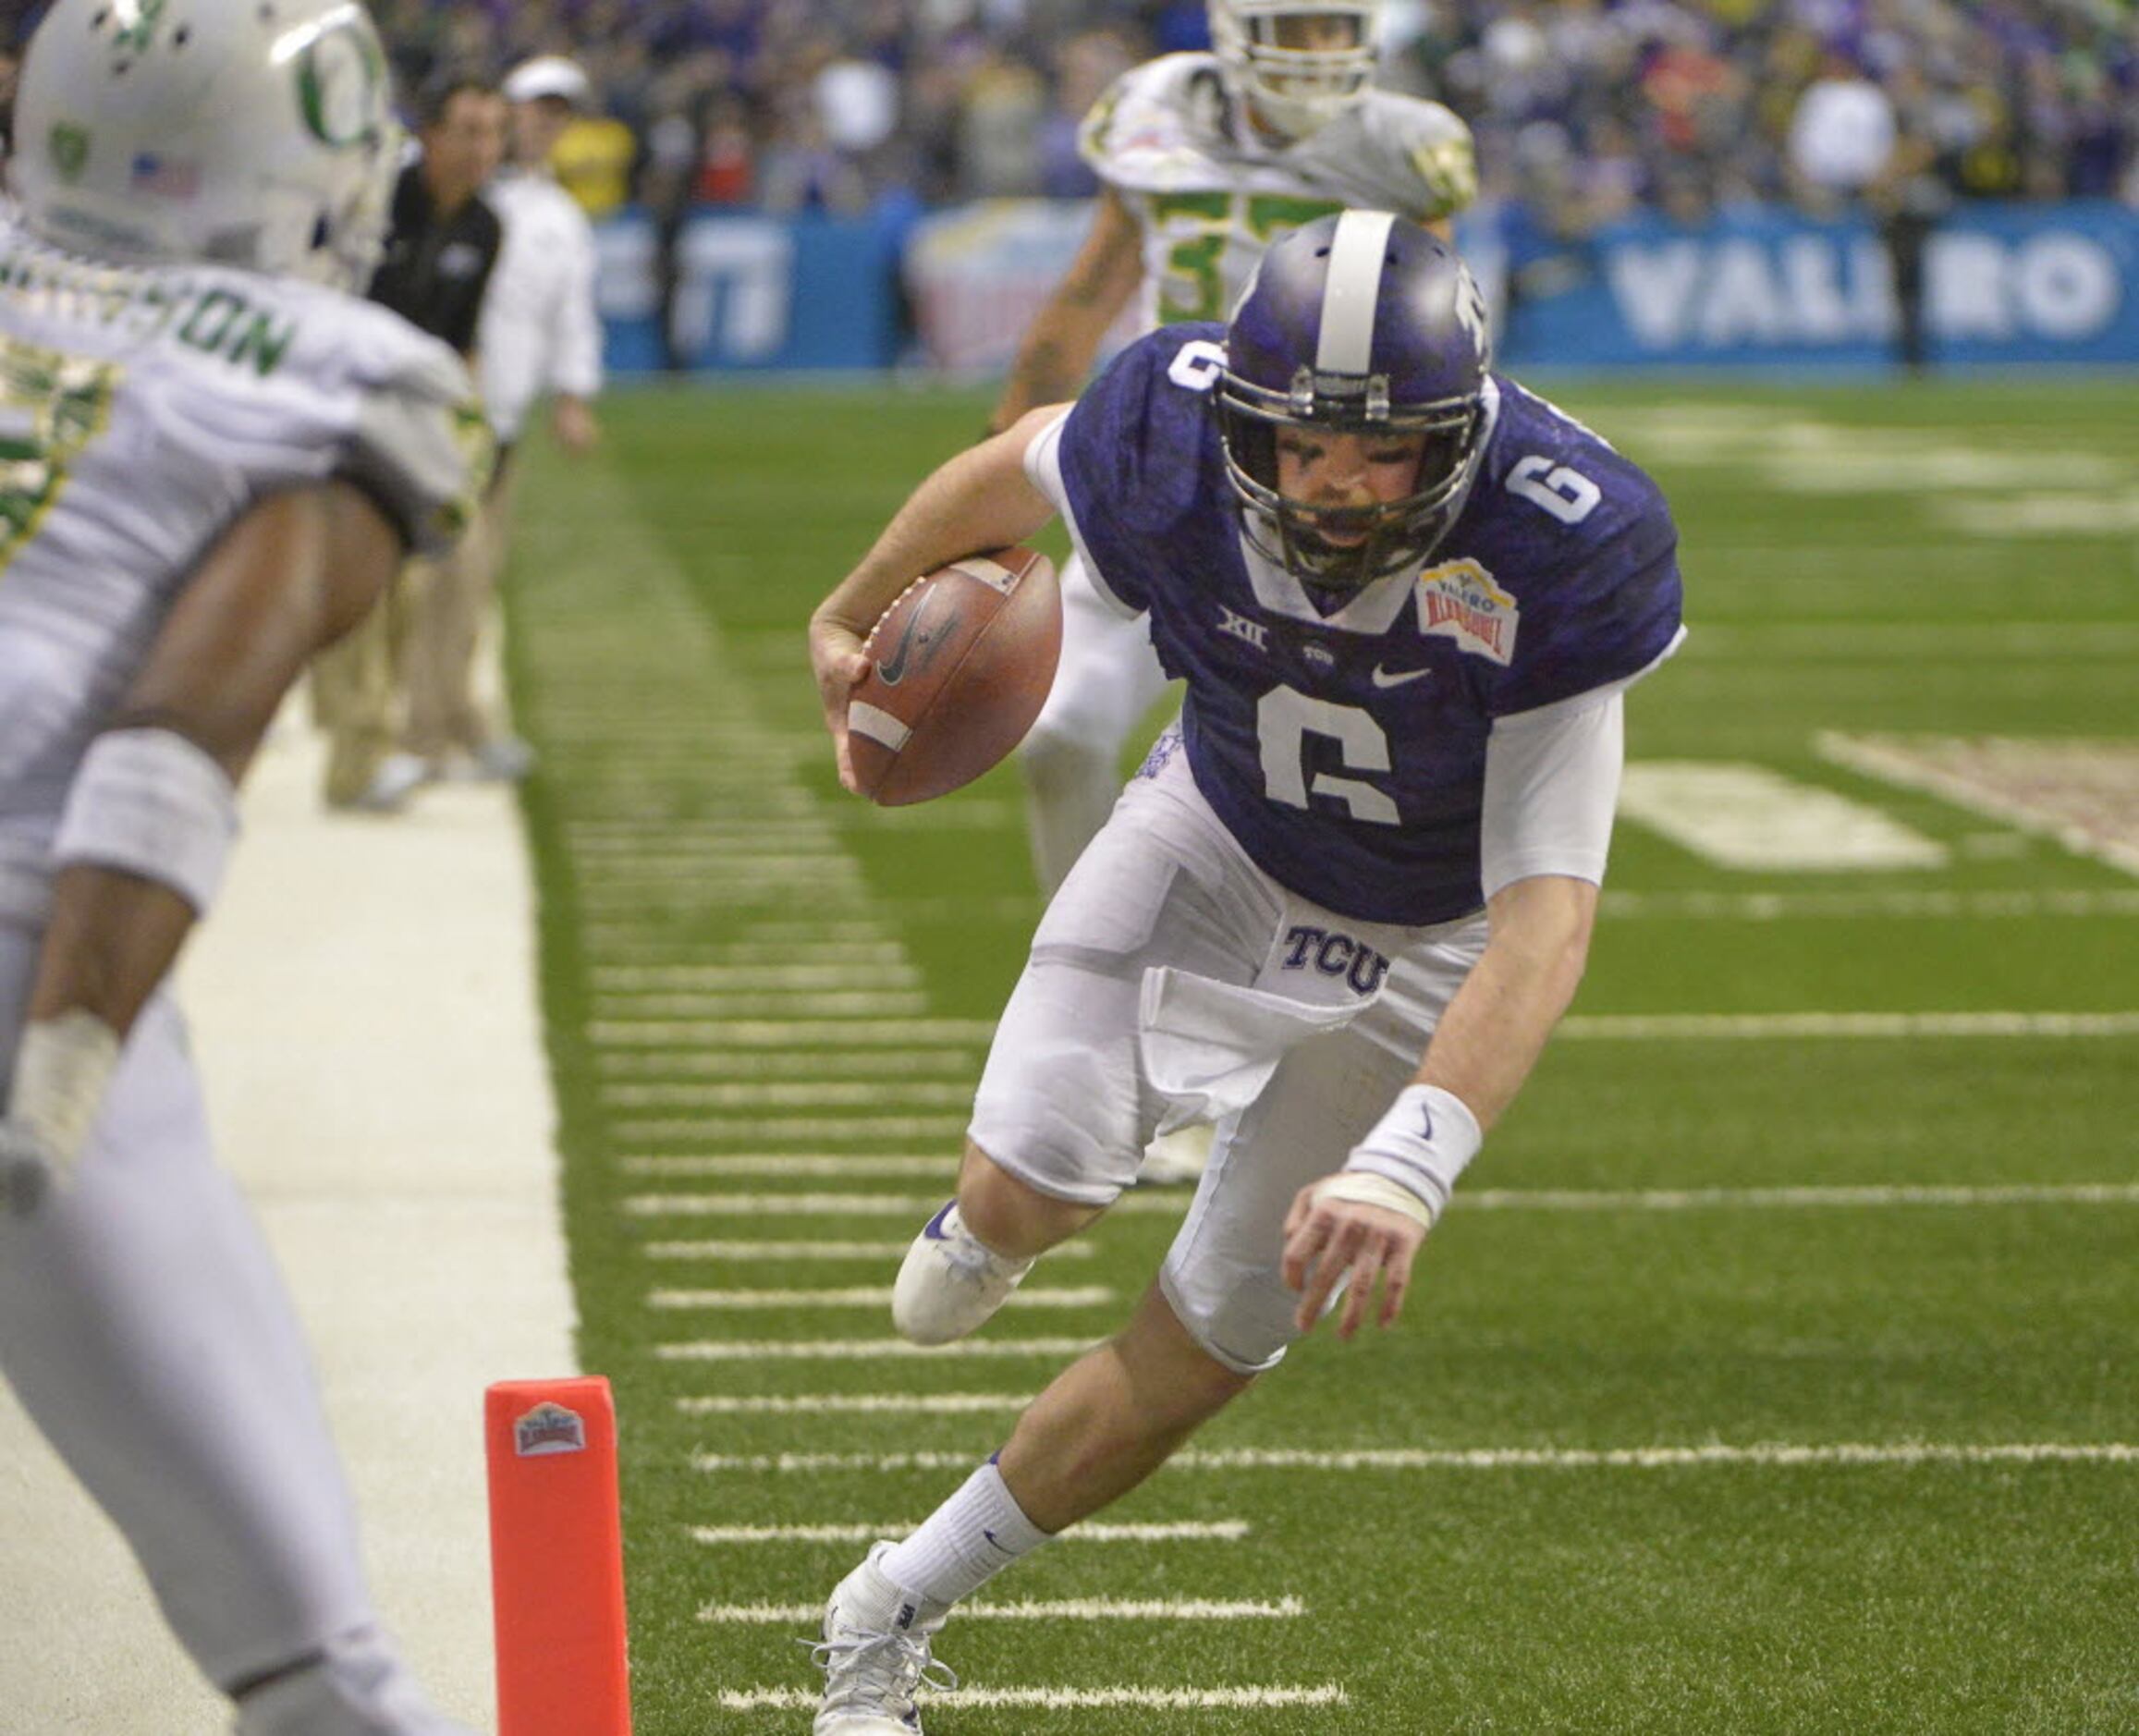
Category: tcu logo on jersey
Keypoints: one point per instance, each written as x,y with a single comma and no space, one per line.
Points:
1336,954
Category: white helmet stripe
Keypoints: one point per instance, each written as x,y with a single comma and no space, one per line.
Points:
1351,292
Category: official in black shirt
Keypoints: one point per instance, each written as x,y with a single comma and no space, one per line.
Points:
445,240
394,694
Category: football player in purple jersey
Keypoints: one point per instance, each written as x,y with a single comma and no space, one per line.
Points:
1336,914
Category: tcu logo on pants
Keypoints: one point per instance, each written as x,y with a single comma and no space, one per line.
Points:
1335,955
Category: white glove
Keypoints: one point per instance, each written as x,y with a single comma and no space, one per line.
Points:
62,1067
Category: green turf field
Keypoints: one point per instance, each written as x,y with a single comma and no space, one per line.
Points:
1777,1373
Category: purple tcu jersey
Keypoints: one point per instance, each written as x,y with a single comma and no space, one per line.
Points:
1347,751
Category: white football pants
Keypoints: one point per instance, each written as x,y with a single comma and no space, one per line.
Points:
1172,980
1108,677
145,1327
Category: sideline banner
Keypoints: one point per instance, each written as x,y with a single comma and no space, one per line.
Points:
754,293
2007,284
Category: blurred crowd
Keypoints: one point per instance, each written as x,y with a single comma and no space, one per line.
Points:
1584,109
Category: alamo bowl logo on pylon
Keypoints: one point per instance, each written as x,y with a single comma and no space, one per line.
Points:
549,1428
1460,601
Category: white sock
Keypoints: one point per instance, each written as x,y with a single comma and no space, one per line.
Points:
965,1543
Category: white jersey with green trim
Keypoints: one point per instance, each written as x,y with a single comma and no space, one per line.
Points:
1209,193
141,413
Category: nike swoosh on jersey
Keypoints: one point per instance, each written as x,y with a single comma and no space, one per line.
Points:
1396,677
892,670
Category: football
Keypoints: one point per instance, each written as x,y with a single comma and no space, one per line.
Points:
958,667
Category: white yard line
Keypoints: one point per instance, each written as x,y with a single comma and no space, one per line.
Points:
1069,1699
782,1033
1783,1454
691,1062
1790,1198
862,1296
863,1349
758,1252
1764,1027
1059,1609
1090,1531
948,1130
791,1093
1828,907
821,1165
858,1404
1173,1202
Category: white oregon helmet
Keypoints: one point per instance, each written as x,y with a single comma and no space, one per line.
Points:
1298,90
256,133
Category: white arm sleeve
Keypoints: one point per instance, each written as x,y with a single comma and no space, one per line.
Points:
1044,469
1552,780
576,357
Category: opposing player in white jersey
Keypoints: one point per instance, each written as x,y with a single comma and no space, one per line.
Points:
215,461
1205,160
1338,913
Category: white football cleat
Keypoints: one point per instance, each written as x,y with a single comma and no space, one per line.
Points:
875,1655
949,1284
357,1686
1176,1160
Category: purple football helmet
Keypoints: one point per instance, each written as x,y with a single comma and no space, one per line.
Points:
1358,324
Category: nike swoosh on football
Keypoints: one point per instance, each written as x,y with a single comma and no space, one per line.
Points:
1396,677
893,668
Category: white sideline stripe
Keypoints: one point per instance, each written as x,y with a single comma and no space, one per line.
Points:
1694,1199
1057,1609
877,724
887,973
950,1129
859,1349
811,1164
1502,1458
766,1251
1174,1531
863,1296
791,1094
859,1404
1637,1027
1775,907
1067,1699
848,1205
782,1033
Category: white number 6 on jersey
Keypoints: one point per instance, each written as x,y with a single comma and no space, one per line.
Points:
1568,495
1284,720
1197,365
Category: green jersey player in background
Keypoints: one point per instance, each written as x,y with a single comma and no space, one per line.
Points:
216,458
1204,159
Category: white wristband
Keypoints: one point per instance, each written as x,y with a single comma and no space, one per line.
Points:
152,804
1422,1143
62,1067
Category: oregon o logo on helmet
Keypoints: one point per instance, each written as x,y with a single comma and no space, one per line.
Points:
340,75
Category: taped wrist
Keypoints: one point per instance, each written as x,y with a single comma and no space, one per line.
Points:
149,802
1425,1141
62,1067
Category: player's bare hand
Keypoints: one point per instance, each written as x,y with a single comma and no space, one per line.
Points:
1330,1239
572,422
840,665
